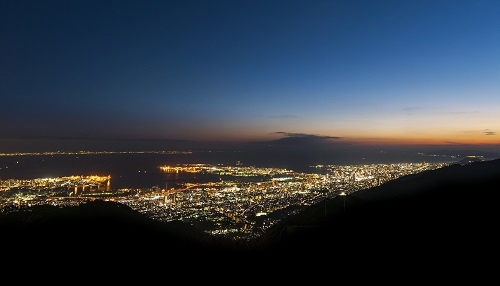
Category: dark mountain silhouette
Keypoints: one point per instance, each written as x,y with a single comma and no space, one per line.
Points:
447,215
99,226
441,217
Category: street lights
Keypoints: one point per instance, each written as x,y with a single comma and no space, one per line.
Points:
343,194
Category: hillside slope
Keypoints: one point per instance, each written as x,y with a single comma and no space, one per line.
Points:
447,214
443,215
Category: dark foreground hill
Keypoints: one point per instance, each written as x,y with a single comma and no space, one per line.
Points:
449,215
438,218
98,227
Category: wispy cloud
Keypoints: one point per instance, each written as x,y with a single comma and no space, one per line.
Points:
284,116
487,132
303,138
411,110
461,112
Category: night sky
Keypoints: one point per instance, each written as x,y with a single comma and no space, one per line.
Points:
101,74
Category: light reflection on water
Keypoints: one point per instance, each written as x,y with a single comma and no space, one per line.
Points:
142,170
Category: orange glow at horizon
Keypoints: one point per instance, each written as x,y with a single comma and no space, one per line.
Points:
422,141
473,138
480,137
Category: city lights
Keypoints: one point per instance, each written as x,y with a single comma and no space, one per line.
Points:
237,209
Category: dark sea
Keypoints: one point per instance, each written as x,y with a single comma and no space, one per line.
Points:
141,170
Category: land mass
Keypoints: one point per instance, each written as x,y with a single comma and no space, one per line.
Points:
447,214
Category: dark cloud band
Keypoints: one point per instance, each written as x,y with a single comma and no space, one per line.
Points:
302,138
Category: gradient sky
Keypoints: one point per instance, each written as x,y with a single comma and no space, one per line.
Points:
368,72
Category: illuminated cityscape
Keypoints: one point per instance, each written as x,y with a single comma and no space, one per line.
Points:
243,207
267,139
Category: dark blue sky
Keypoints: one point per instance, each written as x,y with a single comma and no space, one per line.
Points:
364,72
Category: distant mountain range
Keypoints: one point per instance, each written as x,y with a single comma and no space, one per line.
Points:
441,215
